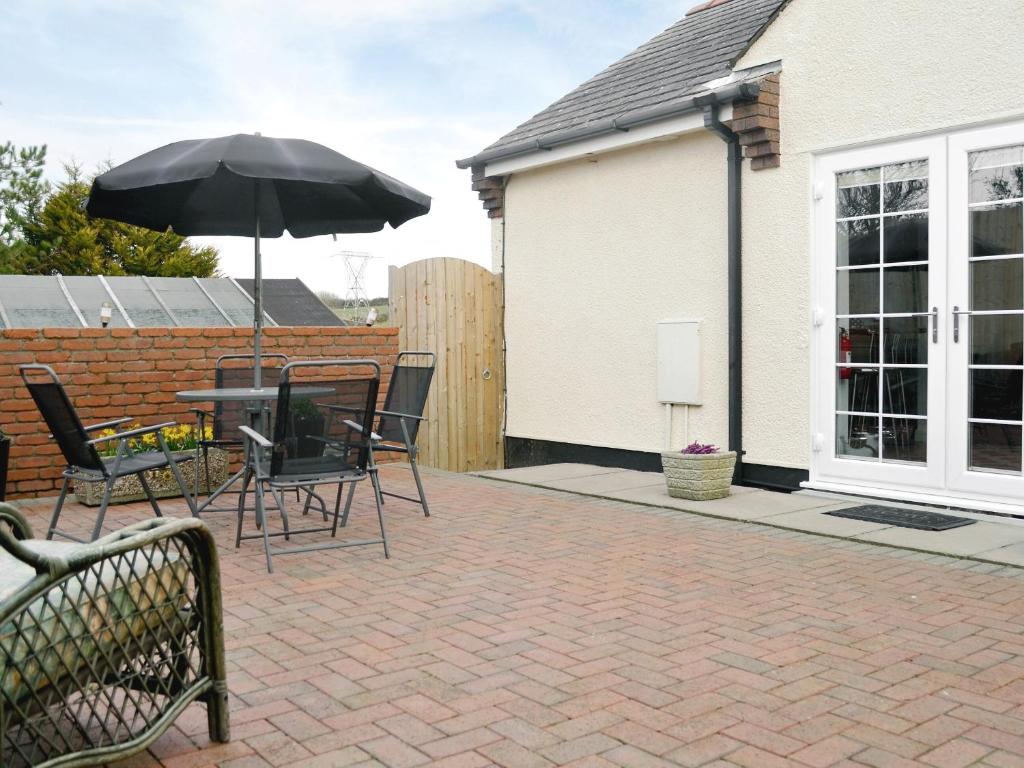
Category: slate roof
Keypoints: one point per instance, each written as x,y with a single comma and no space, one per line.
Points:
291,302
675,65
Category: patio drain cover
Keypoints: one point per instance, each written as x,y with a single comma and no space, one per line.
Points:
902,518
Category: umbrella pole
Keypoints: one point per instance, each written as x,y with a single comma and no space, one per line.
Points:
257,369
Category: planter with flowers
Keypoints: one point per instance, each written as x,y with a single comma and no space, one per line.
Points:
181,440
699,472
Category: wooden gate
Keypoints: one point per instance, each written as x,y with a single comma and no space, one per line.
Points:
454,309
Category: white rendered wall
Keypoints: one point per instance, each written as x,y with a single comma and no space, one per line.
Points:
856,71
596,252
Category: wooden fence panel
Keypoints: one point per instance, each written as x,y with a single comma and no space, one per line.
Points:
454,309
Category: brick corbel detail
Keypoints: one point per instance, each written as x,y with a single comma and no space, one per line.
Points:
491,190
756,121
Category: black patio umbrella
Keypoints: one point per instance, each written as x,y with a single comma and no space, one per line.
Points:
254,186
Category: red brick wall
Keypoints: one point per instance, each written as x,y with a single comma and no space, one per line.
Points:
135,372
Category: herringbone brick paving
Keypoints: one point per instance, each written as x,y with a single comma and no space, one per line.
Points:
522,627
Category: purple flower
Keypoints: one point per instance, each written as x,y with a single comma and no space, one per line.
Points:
701,448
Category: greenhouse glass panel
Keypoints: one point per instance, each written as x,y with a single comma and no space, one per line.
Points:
236,304
90,295
36,301
187,302
139,302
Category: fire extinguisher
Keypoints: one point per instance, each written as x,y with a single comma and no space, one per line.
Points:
845,352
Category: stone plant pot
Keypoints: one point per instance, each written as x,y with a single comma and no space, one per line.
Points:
161,481
698,476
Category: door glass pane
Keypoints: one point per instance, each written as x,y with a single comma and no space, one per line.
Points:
995,447
996,174
857,242
905,391
906,289
906,186
892,203
857,292
857,437
861,338
906,237
906,340
857,390
995,394
997,284
996,339
858,193
905,440
997,230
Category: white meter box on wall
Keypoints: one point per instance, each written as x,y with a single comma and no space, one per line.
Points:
679,362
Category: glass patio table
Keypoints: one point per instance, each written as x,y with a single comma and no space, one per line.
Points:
255,397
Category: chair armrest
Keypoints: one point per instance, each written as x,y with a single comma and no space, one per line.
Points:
352,425
107,424
131,537
256,437
19,525
132,433
343,408
395,415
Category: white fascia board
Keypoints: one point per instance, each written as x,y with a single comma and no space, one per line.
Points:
659,131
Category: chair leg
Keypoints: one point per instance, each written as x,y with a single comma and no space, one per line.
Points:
348,503
261,514
419,482
380,512
337,510
246,478
279,500
107,491
206,469
56,510
149,494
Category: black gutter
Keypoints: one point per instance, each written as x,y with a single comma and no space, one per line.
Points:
711,103
620,124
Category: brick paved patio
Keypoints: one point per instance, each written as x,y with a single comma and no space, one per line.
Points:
523,627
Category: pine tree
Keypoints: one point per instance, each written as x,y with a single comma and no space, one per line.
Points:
46,230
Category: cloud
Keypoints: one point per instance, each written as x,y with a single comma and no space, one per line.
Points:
406,86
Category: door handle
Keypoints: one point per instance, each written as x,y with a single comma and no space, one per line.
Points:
934,315
956,321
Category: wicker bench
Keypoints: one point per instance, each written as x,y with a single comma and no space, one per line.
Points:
105,644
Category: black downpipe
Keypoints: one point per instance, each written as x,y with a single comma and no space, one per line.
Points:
735,259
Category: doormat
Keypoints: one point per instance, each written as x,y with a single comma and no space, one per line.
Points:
902,518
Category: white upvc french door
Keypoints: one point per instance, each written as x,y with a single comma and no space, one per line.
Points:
986,296
879,342
918,344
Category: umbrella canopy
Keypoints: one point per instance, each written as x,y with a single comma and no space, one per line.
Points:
253,186
223,186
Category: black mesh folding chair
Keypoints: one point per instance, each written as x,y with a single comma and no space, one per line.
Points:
231,372
403,411
79,449
321,436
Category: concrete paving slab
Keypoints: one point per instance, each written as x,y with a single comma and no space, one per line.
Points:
816,521
992,540
601,485
969,540
1012,555
547,472
750,504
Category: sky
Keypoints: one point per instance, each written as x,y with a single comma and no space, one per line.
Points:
405,86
